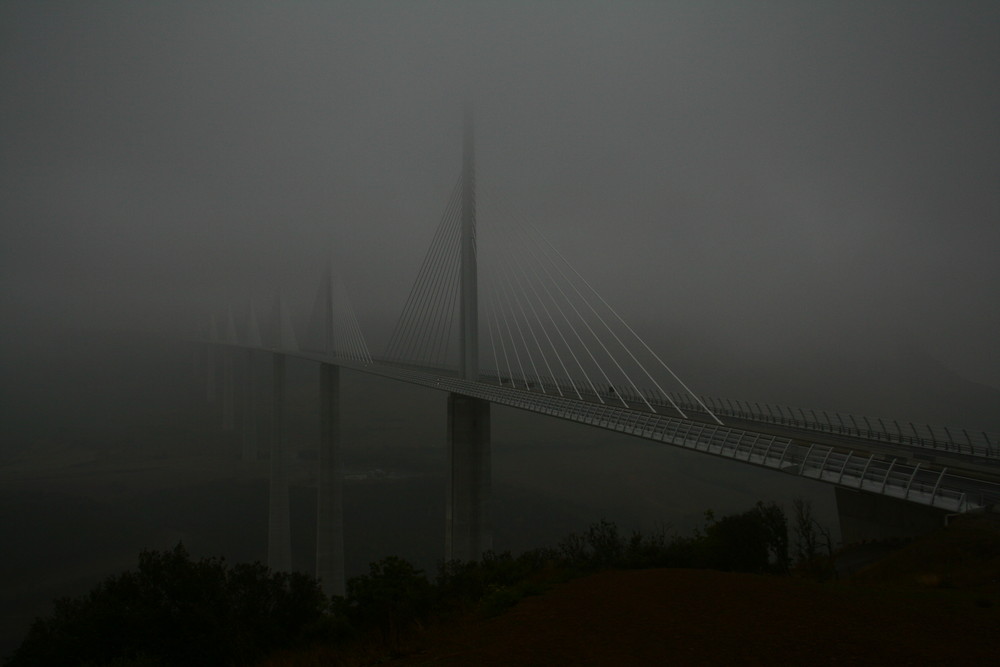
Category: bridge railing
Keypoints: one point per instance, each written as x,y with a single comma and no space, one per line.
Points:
941,438
888,476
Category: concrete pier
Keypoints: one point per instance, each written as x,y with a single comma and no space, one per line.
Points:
871,517
468,528
249,409
228,391
329,486
469,531
279,539
211,387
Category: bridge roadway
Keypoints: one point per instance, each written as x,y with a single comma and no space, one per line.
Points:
925,476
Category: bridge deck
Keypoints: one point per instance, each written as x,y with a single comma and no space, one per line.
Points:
950,481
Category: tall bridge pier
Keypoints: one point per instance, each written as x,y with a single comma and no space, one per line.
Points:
330,486
248,451
330,464
279,533
279,538
865,516
467,516
468,530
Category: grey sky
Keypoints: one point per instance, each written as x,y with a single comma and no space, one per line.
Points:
771,178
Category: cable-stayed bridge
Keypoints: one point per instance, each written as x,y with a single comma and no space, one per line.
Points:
502,294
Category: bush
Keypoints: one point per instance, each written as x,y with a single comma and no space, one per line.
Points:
390,597
754,541
174,610
601,546
496,582
813,544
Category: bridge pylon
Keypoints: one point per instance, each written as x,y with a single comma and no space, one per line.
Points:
468,529
228,376
330,468
279,537
253,340
330,486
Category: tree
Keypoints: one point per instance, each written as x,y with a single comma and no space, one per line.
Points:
601,546
390,597
811,538
775,525
174,610
754,541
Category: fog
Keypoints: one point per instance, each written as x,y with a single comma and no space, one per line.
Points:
778,178
792,202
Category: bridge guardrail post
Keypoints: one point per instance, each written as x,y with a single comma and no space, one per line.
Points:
847,460
784,453
937,485
887,473
864,471
913,476
822,466
951,441
805,459
768,450
933,438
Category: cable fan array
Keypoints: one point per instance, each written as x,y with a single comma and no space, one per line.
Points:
547,329
333,326
426,332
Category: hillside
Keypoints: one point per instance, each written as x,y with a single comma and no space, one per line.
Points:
936,601
701,617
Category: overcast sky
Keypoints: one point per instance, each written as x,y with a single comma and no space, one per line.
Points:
767,176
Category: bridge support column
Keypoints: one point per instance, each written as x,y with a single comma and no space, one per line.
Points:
868,516
249,452
329,486
228,391
210,385
469,532
279,537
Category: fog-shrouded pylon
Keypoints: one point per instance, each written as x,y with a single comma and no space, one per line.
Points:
279,541
468,529
330,466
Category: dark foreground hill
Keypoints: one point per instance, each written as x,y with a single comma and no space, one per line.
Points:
656,617
935,601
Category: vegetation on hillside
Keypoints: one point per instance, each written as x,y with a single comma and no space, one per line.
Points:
176,610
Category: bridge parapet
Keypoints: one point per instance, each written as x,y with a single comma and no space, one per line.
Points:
929,485
947,439
942,438
890,476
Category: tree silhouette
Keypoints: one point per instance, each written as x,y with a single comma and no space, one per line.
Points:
391,596
173,611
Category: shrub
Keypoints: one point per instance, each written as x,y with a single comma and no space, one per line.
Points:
754,541
174,610
390,597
